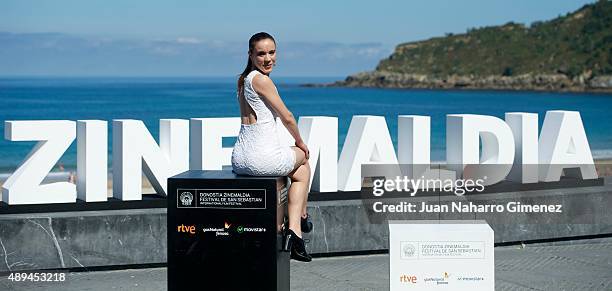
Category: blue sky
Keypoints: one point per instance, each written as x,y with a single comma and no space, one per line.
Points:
182,37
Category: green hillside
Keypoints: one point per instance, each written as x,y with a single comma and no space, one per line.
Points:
579,43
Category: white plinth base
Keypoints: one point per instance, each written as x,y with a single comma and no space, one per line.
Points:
441,255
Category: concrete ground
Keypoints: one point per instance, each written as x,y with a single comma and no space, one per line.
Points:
574,265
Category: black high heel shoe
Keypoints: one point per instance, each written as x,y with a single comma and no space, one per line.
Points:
306,224
295,244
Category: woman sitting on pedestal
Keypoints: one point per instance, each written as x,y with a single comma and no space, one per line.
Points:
258,150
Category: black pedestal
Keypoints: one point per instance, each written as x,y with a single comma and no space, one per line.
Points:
224,232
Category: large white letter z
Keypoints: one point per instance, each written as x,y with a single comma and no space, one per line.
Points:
23,186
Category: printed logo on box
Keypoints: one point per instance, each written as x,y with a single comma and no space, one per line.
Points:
470,278
242,229
438,280
408,279
190,229
219,231
221,198
410,250
185,198
231,198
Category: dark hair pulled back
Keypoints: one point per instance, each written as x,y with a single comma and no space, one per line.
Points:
250,67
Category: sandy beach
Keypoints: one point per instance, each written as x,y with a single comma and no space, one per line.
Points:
604,167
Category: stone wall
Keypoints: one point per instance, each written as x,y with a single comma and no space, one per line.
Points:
138,236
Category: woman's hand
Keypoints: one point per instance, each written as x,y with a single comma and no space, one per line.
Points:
304,148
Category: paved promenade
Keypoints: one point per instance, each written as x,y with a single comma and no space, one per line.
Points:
576,265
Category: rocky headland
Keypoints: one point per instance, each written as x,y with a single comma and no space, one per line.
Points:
569,53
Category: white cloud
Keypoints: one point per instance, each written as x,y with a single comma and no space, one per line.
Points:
188,40
57,54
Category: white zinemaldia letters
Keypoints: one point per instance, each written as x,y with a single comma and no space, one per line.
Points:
524,128
564,145
413,148
413,139
367,142
207,151
463,135
92,160
23,186
133,145
284,137
320,133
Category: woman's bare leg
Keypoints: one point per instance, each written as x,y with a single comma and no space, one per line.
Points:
304,212
298,191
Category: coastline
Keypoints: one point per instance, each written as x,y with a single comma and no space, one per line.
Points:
524,82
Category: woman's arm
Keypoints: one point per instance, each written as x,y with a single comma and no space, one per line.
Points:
264,86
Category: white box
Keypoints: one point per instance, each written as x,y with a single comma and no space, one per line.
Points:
441,255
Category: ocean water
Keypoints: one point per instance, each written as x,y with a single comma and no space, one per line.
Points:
151,99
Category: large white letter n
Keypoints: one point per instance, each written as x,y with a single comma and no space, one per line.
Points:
135,151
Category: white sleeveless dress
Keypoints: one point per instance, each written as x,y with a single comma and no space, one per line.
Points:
258,150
